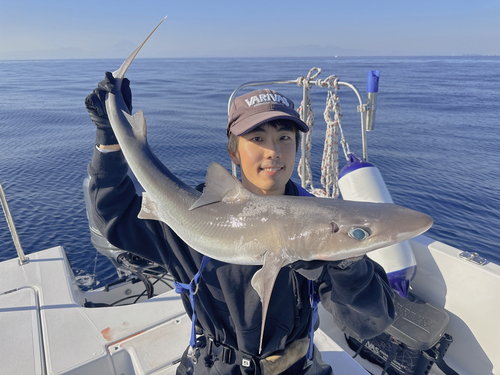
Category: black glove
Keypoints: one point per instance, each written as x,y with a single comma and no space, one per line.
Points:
97,109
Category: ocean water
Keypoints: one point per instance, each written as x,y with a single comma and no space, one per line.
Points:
436,139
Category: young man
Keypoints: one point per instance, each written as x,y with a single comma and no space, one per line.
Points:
264,132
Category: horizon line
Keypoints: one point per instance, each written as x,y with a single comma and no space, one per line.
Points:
247,57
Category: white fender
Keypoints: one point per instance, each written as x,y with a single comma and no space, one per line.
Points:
362,181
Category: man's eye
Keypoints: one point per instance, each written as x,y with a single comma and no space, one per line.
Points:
256,139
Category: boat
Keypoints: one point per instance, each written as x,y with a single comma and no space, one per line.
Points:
137,324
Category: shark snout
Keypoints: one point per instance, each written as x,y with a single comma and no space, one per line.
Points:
415,223
400,224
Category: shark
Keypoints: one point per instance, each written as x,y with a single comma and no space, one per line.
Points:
229,223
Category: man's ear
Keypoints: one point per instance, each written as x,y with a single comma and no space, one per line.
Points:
234,158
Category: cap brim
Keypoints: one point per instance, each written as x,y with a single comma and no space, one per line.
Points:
251,122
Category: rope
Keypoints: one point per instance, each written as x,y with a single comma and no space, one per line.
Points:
330,160
332,116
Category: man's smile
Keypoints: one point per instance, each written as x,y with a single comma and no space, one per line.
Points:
271,169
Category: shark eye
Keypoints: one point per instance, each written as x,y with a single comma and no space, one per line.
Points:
359,233
335,227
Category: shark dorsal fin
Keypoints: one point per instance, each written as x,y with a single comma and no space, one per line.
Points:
138,123
220,186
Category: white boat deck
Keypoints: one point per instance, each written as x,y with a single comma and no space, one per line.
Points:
45,329
470,295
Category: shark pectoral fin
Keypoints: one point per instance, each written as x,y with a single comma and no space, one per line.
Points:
137,122
263,283
149,209
220,186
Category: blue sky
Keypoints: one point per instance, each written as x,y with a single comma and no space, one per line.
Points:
196,28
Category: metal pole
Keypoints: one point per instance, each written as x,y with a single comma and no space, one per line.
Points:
361,109
305,113
23,259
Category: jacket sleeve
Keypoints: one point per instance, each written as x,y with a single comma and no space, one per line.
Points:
115,206
358,296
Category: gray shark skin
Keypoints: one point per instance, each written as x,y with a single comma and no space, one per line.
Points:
233,225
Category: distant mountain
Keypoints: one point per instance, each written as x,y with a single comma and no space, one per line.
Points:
125,47
310,50
61,53
119,50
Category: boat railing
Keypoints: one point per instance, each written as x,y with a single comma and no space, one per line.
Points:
366,110
23,259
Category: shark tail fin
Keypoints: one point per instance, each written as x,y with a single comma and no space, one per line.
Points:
120,73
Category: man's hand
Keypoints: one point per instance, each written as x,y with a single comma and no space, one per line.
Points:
95,104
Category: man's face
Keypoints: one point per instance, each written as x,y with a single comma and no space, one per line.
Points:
266,157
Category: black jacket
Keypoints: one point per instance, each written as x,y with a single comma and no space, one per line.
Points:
227,307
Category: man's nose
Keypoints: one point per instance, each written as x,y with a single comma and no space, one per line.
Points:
273,151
